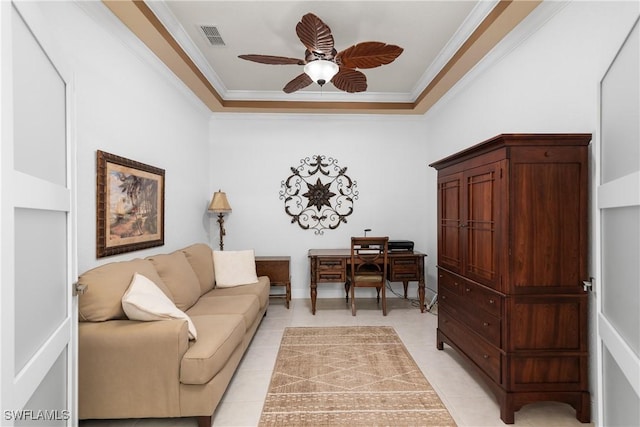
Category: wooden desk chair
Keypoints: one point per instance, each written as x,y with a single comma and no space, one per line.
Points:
368,268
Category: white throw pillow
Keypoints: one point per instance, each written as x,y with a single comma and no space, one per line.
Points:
233,268
144,300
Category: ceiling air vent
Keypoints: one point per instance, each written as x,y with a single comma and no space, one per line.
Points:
212,34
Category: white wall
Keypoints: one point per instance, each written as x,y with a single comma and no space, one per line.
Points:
128,105
252,154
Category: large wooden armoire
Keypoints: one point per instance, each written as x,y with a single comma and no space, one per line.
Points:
512,258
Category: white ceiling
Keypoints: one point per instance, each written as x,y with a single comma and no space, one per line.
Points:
442,40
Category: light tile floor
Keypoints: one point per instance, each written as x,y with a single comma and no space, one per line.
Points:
469,401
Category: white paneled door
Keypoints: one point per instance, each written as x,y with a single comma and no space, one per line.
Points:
617,235
38,309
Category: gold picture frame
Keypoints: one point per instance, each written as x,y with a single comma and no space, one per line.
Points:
129,205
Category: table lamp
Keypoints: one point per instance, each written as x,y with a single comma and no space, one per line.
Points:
220,205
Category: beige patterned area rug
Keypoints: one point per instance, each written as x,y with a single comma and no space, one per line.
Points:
349,376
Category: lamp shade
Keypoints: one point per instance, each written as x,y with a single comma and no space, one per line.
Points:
321,70
219,203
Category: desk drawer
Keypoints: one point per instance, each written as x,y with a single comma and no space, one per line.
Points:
404,269
332,269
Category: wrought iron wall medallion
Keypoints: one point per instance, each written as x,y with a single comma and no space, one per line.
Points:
319,194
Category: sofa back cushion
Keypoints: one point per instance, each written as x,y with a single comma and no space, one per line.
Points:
177,274
107,284
234,268
145,301
200,256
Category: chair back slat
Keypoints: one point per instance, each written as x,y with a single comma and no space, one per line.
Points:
368,268
369,257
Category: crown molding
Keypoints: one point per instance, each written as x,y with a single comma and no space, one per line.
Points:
98,12
530,25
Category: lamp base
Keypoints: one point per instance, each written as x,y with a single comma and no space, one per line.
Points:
222,232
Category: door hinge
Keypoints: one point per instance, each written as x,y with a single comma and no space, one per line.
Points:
587,285
79,289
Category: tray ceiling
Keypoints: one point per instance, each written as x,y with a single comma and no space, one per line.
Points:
442,41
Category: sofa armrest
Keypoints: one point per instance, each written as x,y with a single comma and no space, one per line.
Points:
130,369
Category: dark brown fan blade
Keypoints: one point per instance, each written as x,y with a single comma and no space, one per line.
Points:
298,83
272,60
314,34
350,80
368,55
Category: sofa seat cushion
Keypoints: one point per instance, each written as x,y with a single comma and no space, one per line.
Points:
219,335
248,306
260,289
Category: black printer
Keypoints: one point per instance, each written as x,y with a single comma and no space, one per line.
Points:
400,246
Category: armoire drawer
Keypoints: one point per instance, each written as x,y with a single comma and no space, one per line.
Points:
483,354
449,300
485,324
482,298
449,282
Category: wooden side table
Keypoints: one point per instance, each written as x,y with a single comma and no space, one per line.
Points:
277,268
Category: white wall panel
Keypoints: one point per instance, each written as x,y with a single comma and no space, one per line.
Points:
621,403
39,112
40,294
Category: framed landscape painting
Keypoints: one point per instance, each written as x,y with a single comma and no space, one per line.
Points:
129,205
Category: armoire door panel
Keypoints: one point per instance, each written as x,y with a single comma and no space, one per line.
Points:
449,222
554,372
546,231
558,323
480,256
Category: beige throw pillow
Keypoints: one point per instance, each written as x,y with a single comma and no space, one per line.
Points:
234,268
145,301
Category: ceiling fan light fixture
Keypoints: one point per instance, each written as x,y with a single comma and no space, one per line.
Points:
321,70
321,58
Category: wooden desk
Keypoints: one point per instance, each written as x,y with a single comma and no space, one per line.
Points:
330,266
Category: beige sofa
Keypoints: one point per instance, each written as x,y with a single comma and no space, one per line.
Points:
150,369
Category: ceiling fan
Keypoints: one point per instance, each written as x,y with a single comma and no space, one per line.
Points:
322,63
